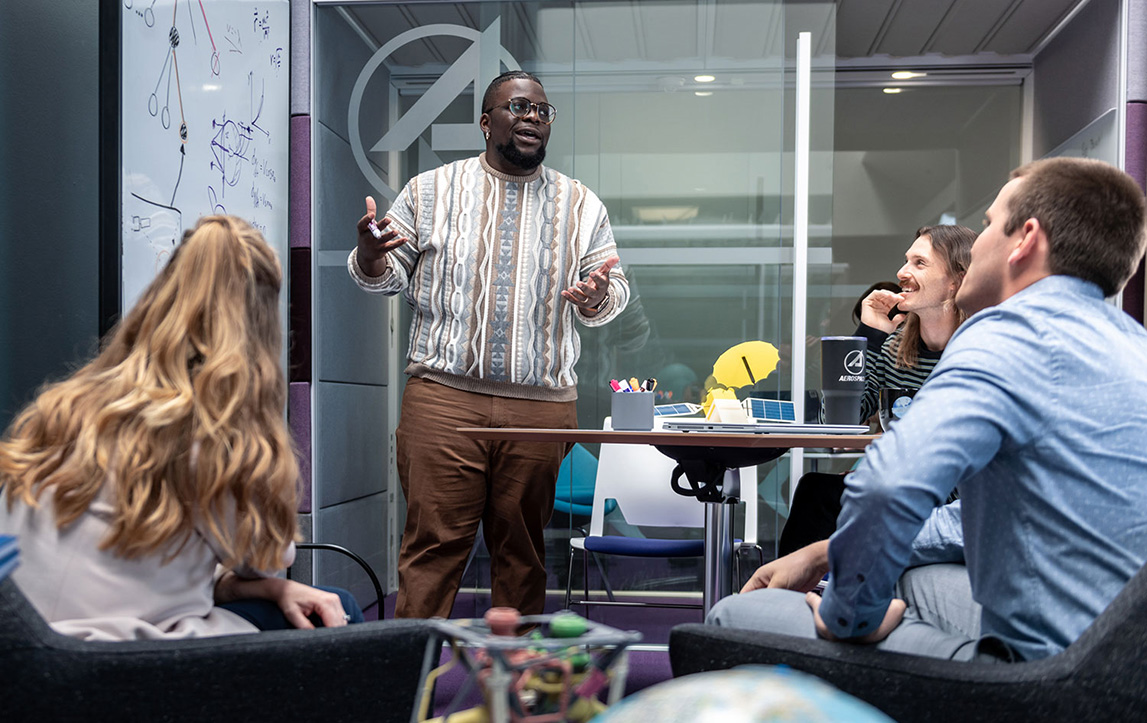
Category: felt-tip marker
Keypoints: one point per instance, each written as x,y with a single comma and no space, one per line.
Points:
374,229
614,385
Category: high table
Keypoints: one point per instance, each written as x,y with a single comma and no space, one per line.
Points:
710,462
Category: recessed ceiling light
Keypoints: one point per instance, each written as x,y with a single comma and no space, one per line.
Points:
893,91
907,75
702,93
704,78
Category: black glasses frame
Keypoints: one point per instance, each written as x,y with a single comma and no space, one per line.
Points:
529,106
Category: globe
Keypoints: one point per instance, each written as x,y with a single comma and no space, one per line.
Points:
747,694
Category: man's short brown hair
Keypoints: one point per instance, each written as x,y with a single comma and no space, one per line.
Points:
1093,215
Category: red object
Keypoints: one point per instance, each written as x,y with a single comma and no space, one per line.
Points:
503,621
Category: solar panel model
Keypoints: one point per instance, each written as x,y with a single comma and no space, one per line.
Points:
772,410
676,410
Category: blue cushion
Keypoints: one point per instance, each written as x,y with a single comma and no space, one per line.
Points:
642,547
574,509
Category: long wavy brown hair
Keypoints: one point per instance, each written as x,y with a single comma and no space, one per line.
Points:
181,412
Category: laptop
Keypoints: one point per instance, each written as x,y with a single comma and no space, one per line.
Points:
702,425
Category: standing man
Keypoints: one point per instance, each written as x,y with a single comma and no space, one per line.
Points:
498,256
1037,410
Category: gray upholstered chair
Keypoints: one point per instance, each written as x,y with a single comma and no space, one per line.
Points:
356,673
1102,676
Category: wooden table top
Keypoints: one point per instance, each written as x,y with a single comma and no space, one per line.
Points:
673,438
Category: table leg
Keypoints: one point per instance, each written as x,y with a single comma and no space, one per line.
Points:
718,553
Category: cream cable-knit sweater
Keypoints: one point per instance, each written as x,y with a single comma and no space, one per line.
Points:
487,258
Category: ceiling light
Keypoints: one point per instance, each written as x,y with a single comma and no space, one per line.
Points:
702,93
893,91
907,75
704,78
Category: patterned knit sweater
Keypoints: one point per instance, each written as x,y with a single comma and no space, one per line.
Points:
487,258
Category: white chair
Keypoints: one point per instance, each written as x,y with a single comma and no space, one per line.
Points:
637,478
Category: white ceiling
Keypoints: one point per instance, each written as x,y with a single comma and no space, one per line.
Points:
900,28
946,32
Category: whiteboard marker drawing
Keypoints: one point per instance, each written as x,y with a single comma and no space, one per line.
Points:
223,102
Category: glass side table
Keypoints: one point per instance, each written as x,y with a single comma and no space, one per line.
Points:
556,673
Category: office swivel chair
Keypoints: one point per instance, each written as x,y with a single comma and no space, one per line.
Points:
636,478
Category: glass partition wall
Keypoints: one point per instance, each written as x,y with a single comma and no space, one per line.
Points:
679,114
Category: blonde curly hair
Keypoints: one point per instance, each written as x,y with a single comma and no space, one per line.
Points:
181,412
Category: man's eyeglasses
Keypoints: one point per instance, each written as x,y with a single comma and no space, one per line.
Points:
521,107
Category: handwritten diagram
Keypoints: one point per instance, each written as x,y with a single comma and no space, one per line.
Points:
205,111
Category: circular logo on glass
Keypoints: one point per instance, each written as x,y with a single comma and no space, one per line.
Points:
900,406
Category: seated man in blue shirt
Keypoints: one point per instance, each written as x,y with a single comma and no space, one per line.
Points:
1037,410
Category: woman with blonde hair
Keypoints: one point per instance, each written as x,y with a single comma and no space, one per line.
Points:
159,481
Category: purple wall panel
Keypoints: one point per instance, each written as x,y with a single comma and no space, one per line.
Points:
299,271
1136,159
300,191
299,419
1135,162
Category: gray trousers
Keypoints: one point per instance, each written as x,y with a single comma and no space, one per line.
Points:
942,620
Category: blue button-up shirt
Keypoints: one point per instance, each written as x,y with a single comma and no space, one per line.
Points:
1038,411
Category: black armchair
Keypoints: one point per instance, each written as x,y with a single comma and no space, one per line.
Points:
1101,676
361,672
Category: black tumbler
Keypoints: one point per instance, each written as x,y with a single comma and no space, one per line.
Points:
842,376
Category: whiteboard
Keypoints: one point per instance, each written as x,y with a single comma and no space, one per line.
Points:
1098,140
205,117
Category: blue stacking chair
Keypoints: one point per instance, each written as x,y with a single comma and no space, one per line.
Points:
577,480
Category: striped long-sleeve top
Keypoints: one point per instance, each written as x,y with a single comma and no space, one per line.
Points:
487,258
882,371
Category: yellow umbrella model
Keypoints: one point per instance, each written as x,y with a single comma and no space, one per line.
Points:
745,364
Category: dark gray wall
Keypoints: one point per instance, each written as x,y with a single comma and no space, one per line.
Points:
1076,76
49,192
350,461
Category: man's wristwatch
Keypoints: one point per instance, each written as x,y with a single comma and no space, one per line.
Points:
601,305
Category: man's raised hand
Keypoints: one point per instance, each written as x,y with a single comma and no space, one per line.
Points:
590,293
375,240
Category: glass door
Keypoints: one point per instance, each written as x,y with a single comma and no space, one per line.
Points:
679,115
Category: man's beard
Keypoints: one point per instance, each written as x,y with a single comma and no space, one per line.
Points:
526,161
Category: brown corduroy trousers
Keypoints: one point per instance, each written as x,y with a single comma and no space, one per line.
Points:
452,483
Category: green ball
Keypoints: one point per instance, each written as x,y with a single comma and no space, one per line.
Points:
580,661
567,625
